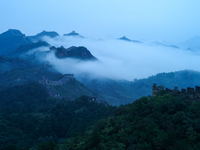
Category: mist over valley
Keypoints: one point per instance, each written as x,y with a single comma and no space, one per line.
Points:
99,75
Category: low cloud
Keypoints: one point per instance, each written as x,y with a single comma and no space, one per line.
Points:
122,60
39,49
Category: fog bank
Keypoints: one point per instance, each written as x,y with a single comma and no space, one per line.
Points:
122,60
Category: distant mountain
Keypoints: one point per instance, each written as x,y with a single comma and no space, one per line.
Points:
192,43
12,39
73,52
124,38
74,34
123,92
165,45
39,36
25,48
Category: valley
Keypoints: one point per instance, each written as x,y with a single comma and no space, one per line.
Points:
50,97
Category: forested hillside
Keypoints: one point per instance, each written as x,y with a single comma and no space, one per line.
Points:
162,122
29,117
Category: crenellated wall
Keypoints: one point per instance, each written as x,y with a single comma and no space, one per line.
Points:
191,93
64,80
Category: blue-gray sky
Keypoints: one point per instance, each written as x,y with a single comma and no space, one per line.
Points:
170,20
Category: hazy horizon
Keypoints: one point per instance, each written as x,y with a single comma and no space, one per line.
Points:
146,20
166,20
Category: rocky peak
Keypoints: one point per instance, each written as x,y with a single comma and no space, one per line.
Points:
73,52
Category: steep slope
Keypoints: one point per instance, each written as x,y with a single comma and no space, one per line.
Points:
12,39
73,89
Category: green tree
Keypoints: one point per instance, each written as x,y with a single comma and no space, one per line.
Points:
47,146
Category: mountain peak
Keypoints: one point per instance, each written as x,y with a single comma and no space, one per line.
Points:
48,33
39,36
124,38
73,33
13,32
12,39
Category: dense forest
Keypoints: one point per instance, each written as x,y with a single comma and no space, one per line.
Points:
163,122
30,118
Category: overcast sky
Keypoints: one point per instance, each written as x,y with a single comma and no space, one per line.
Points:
170,20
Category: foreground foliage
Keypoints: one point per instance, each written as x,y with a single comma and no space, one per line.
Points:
165,122
30,118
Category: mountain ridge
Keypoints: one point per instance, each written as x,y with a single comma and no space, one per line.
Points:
12,39
124,38
39,36
73,34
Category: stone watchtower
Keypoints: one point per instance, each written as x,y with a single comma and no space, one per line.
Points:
155,89
191,93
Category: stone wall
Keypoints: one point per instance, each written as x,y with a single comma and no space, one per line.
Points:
191,93
64,80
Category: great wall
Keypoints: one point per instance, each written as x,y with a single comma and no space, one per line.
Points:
46,82
191,93
95,99
64,80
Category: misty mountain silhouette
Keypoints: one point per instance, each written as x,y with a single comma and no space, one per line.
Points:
73,52
39,36
124,38
73,33
192,43
166,45
12,39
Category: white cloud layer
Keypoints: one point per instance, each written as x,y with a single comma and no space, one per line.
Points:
123,60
